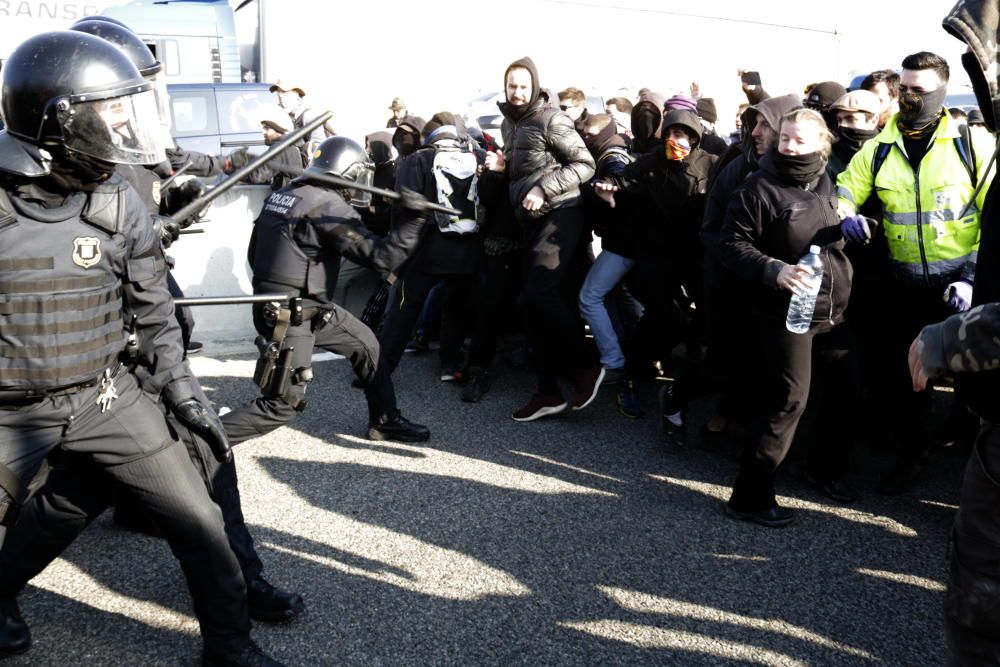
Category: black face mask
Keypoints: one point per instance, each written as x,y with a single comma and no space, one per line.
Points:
645,124
919,110
853,138
406,142
76,171
799,169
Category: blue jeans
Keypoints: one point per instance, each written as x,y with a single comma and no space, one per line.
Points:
607,271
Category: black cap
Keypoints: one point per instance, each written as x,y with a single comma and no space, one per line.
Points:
822,95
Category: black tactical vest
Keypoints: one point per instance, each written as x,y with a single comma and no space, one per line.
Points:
278,259
60,289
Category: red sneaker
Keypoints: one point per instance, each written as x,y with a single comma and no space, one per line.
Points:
586,386
540,405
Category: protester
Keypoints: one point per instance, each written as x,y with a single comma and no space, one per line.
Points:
925,170
885,84
546,162
782,210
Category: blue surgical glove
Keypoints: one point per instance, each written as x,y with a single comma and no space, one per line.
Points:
958,296
856,228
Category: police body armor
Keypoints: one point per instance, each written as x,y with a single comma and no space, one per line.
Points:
60,290
276,258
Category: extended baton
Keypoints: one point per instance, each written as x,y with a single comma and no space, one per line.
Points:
173,177
340,182
237,300
234,178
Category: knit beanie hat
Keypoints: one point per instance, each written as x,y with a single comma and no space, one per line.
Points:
706,109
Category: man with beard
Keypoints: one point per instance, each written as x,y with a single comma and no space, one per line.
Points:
925,170
731,357
545,164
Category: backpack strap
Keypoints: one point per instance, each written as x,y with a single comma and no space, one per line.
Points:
878,159
966,151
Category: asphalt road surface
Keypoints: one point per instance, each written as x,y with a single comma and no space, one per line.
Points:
574,540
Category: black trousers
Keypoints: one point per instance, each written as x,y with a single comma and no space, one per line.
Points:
130,446
907,310
972,600
343,334
499,285
181,313
554,269
661,326
405,309
222,483
734,365
792,361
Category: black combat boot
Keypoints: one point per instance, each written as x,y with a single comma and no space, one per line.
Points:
15,638
270,604
251,656
398,428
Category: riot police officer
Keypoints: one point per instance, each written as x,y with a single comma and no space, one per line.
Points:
296,246
78,259
266,602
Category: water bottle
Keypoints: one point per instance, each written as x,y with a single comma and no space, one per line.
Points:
802,306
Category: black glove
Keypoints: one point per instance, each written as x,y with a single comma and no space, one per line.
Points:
176,198
204,422
414,202
168,230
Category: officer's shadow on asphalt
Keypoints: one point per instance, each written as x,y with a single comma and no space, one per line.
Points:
632,562
639,546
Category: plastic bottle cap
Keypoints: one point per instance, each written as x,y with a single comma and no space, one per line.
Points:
814,249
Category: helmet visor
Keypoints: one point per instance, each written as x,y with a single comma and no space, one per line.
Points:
361,173
122,130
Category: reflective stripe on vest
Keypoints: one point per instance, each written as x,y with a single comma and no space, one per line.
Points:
923,228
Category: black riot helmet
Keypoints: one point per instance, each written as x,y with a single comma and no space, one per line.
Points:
137,51
79,93
127,41
346,158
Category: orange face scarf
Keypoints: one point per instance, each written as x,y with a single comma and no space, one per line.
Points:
676,150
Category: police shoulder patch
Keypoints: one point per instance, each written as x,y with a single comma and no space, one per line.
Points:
86,251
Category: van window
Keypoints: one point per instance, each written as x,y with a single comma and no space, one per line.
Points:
193,113
241,111
172,57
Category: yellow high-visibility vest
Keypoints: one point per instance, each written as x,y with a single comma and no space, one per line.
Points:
930,220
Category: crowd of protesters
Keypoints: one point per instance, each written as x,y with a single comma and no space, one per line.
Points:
686,292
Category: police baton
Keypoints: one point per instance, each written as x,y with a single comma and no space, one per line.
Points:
238,300
173,177
340,182
289,139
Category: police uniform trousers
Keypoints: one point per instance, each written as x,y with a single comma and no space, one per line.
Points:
342,334
972,600
222,482
129,446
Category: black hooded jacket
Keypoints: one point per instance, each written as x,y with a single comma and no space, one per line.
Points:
771,222
725,183
647,115
677,188
437,254
542,148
